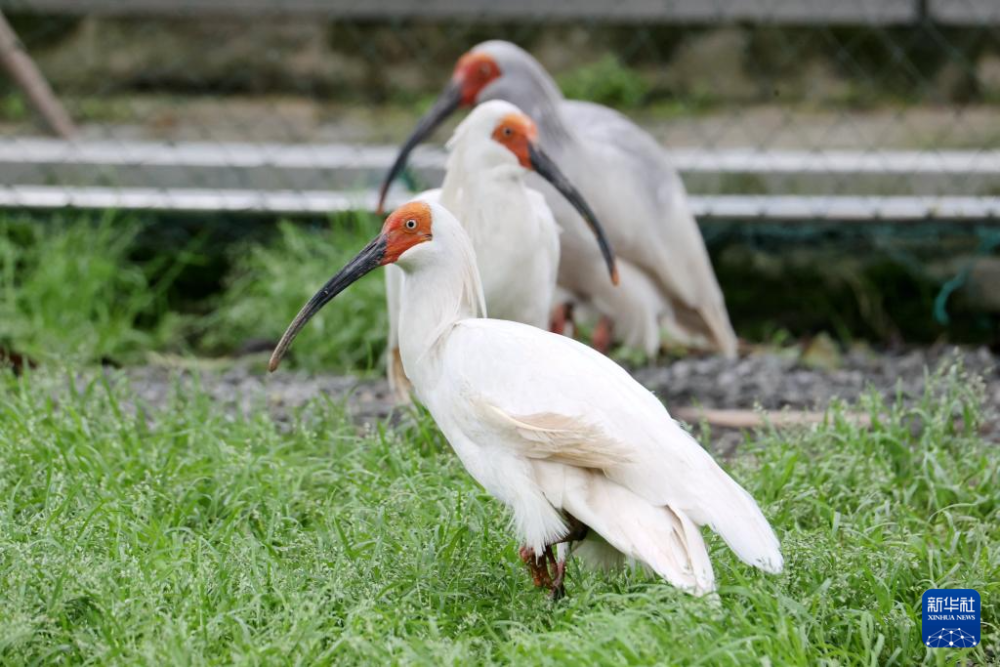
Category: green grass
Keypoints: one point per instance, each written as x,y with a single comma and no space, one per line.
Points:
189,536
70,291
605,81
12,107
271,281
83,290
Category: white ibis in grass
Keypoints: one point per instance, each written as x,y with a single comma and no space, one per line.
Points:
513,233
562,435
667,278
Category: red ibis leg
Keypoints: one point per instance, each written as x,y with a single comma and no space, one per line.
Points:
562,318
549,571
577,531
557,590
602,338
537,568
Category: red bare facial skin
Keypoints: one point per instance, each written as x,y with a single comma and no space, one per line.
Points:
473,72
515,132
407,226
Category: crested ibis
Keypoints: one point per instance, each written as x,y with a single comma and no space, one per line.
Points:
562,435
667,278
513,233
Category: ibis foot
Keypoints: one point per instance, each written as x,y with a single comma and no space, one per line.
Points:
539,571
602,338
549,571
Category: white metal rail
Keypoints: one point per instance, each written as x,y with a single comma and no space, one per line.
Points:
781,209
280,178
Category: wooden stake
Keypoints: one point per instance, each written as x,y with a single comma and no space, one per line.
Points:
25,73
753,419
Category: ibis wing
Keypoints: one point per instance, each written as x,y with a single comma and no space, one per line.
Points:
656,230
563,439
562,399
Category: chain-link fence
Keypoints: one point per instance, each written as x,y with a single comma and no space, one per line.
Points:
787,109
786,119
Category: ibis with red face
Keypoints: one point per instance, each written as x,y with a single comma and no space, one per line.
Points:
667,280
513,232
575,448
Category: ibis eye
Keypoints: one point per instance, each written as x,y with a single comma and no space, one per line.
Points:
507,132
484,69
411,224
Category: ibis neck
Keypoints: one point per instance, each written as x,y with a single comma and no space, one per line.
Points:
472,171
435,297
553,131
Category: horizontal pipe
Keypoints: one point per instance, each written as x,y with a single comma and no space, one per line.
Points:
746,208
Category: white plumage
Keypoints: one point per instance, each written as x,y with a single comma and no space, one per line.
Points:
550,427
667,280
511,227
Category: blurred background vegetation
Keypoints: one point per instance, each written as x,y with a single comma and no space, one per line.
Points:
226,284
629,66
115,288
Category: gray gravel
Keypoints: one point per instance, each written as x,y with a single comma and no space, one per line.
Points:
776,381
769,380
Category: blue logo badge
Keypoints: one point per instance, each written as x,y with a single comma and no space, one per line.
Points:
951,618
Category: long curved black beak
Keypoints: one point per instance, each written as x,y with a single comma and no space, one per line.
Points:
446,104
548,170
364,262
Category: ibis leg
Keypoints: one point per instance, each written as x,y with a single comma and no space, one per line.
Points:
549,570
602,338
561,321
557,589
537,567
577,531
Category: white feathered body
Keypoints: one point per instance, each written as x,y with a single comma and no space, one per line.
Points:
515,238
666,275
549,427
512,230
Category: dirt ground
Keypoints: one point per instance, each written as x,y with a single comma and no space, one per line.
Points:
764,380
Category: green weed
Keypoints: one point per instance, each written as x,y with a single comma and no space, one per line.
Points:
270,282
606,81
69,291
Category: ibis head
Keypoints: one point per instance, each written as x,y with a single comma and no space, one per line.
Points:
499,131
493,70
406,228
